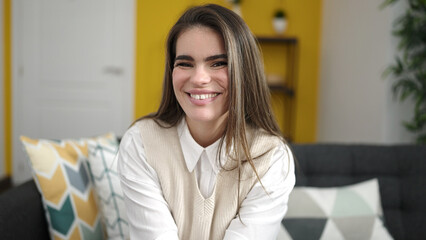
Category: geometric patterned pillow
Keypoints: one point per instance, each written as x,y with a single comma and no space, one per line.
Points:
349,212
61,174
103,169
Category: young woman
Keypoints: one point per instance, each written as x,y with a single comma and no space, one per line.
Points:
210,163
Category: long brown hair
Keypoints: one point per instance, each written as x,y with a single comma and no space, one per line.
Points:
249,96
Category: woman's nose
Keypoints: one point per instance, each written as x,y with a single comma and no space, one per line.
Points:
200,76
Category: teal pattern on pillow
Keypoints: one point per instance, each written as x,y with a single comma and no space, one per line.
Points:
103,167
61,175
349,212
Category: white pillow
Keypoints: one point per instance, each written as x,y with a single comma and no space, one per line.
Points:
103,167
348,212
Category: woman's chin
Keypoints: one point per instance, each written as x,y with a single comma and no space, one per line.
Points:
205,118
200,119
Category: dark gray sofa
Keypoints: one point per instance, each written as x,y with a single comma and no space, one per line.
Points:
401,171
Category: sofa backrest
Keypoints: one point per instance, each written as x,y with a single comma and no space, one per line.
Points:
401,171
22,214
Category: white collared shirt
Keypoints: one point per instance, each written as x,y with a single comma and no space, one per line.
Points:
203,160
149,215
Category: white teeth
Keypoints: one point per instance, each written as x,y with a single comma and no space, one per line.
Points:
203,96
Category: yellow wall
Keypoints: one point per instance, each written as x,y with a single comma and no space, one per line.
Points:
7,89
304,18
155,18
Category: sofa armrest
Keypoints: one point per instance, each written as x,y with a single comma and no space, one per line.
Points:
21,213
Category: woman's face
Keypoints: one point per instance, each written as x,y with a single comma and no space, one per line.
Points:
200,75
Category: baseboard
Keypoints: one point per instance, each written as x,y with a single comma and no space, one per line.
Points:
5,184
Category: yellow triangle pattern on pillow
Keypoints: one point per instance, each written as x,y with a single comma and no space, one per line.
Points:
54,188
62,176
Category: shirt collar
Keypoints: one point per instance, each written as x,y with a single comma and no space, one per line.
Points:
192,150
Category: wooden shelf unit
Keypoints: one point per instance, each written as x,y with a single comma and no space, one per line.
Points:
287,88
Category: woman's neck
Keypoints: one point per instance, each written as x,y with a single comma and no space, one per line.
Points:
206,133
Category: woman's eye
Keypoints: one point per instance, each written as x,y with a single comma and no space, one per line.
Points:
183,64
220,64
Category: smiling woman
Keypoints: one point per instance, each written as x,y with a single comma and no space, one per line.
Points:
210,163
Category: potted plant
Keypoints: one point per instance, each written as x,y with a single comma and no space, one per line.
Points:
409,69
236,6
279,21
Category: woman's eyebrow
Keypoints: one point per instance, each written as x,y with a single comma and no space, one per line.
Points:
184,57
214,57
210,58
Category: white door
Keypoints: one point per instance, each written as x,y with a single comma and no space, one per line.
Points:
73,70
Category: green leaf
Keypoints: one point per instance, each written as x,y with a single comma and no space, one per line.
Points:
420,101
420,109
416,5
417,60
421,139
396,69
405,87
399,67
387,3
420,122
411,126
410,68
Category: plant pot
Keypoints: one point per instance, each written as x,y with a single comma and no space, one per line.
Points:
237,9
280,25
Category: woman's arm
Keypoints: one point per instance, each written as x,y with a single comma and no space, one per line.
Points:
148,213
262,213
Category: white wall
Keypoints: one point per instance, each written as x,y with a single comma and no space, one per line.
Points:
355,103
2,162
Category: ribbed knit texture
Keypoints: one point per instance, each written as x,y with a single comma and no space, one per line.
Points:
196,217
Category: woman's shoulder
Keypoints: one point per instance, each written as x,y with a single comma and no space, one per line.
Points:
134,130
260,134
142,121
131,134
149,122
261,141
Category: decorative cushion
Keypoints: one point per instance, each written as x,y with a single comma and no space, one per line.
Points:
103,167
349,212
61,174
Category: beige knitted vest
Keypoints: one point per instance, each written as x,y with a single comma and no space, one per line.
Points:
198,218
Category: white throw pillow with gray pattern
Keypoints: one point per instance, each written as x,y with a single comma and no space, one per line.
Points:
349,212
103,168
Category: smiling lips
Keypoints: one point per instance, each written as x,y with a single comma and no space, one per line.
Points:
202,99
203,96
